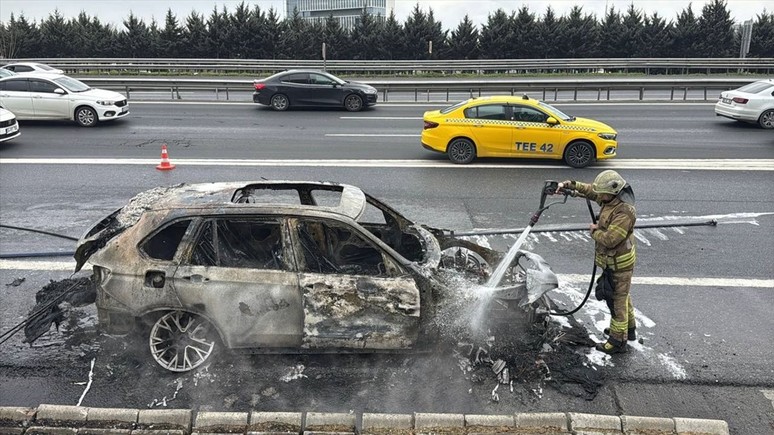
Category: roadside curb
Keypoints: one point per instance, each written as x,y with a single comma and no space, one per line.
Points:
62,419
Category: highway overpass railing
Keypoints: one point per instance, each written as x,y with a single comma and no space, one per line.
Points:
449,89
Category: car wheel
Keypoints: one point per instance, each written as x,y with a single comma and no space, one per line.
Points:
181,341
353,103
766,120
86,116
461,151
579,154
280,102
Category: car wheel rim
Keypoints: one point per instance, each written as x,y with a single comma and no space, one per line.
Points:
86,117
767,119
579,155
280,103
460,151
354,103
181,341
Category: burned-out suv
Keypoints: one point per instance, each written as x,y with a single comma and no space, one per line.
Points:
275,266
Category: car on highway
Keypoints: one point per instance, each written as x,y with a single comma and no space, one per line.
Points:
31,67
37,96
311,88
287,266
9,127
512,126
753,103
6,73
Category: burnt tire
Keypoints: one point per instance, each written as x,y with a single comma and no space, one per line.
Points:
461,151
353,103
579,154
85,116
279,102
180,341
766,120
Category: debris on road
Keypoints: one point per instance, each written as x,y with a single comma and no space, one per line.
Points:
16,282
47,310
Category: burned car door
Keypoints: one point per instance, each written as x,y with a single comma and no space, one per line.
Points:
355,295
238,276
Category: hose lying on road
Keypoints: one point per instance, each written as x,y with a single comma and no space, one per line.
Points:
38,254
548,229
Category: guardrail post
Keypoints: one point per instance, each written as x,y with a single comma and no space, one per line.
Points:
217,93
447,94
575,94
599,93
385,95
544,94
416,95
127,92
685,93
608,94
642,93
226,93
705,93
556,91
428,95
672,94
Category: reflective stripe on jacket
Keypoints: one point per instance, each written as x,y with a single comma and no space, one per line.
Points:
614,236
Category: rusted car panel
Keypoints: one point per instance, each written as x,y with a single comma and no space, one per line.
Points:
325,267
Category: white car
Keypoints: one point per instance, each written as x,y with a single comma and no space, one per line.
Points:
9,128
31,67
56,96
750,103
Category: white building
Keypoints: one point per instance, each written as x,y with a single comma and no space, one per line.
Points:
346,11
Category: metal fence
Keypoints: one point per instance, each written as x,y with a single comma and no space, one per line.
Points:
448,90
410,67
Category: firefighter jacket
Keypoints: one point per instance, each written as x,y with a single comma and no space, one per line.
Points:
614,236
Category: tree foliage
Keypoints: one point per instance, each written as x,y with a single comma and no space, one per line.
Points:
252,33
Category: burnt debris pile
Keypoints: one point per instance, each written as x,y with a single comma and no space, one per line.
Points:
52,302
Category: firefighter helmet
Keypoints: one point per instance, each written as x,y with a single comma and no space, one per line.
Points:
608,182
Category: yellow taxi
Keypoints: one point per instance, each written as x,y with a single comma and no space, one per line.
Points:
511,126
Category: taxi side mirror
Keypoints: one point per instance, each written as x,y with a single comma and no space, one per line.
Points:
552,121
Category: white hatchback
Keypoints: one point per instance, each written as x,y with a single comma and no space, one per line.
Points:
56,96
9,128
750,103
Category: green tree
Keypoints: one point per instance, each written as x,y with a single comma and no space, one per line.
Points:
19,38
463,43
295,39
391,41
437,36
135,40
92,38
217,33
548,36
762,42
716,31
272,35
57,38
495,35
685,35
195,37
521,41
611,31
241,28
632,28
580,32
365,37
415,35
656,37
171,37
336,39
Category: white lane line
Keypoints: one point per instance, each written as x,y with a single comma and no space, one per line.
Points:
381,118
575,278
644,164
444,103
371,135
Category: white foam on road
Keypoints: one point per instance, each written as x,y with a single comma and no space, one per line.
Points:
642,164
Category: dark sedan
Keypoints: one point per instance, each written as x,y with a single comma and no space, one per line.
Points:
297,88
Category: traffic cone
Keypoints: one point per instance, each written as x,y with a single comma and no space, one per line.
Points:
165,165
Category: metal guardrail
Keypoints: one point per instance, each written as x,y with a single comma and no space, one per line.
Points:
478,66
423,90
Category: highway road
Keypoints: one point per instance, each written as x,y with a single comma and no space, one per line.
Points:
704,294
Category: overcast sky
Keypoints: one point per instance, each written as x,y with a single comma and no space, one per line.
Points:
449,12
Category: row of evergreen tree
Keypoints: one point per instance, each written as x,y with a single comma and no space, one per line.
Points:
254,33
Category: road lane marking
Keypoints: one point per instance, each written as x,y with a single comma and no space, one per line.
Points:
444,103
381,118
574,278
371,135
644,164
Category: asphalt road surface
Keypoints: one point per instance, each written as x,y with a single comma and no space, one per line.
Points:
704,294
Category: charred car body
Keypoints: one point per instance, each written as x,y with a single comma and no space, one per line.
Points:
282,267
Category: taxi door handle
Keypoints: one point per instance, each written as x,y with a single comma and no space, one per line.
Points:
519,127
478,125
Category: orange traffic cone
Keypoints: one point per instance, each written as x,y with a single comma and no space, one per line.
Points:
165,165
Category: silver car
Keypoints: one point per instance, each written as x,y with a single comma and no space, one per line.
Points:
31,67
285,267
52,96
753,103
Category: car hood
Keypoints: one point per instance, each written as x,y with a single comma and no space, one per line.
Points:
590,123
5,115
359,86
101,94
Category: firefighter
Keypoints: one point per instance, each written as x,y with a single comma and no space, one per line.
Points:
614,250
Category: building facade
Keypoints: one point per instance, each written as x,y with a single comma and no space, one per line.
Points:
346,11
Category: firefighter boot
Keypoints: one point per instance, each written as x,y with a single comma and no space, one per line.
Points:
631,336
612,346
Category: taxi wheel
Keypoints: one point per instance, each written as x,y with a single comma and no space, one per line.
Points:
579,154
353,103
279,102
767,119
461,151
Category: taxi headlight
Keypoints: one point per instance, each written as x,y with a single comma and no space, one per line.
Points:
608,136
105,102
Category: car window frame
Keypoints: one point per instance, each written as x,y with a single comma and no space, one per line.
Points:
532,108
507,111
32,81
4,83
181,247
286,79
